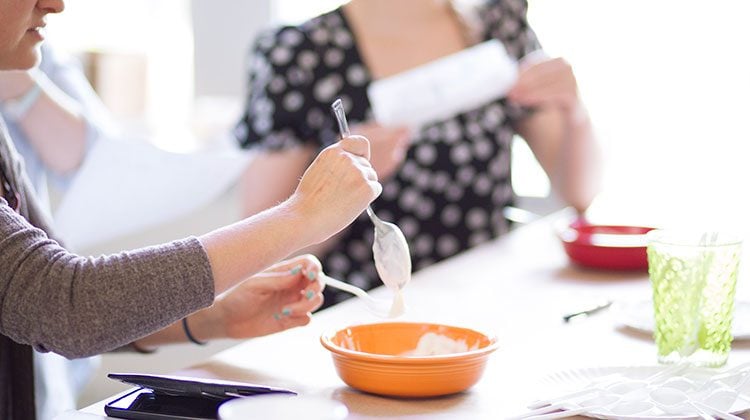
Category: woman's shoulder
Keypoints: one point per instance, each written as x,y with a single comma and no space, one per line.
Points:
505,20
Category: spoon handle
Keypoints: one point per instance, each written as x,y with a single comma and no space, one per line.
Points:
338,111
563,414
378,222
713,412
338,284
588,311
551,408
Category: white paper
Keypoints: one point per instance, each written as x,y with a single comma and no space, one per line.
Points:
125,187
445,87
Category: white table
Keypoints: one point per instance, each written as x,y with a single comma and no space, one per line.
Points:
517,287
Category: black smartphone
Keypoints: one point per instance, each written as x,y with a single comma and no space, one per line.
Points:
175,397
144,403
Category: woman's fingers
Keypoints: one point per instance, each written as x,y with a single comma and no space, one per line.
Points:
356,145
308,301
545,82
367,171
533,73
298,312
301,264
294,321
336,188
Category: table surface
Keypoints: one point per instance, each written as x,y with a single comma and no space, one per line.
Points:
517,287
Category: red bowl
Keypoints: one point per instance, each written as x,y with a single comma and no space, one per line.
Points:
609,247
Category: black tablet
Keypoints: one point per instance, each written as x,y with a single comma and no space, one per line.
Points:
176,397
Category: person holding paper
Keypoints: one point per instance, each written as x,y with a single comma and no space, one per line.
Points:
445,182
54,116
54,300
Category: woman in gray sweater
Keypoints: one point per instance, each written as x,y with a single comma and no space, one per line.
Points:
77,306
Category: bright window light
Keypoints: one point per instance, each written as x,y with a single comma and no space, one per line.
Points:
297,11
145,61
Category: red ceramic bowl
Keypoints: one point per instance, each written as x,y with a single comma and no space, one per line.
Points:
608,247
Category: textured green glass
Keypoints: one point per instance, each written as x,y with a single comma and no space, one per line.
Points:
693,287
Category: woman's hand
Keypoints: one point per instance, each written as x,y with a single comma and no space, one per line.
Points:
388,146
544,82
282,297
274,300
336,188
559,132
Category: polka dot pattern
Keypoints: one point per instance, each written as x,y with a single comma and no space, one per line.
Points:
449,193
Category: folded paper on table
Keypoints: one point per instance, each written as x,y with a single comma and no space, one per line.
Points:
125,187
445,87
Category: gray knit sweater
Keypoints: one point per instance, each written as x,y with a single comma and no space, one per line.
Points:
78,306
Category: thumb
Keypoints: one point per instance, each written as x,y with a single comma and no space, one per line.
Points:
356,145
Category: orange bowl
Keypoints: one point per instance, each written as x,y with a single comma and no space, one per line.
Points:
374,357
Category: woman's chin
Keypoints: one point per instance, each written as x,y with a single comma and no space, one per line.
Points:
22,61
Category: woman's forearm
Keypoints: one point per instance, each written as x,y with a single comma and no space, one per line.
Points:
565,145
264,238
204,325
579,163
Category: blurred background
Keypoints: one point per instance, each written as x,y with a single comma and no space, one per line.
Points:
666,83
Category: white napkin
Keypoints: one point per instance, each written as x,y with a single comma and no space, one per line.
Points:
445,87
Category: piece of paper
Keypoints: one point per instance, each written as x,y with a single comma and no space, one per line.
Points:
445,87
125,187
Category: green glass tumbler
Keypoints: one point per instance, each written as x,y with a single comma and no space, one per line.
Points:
693,278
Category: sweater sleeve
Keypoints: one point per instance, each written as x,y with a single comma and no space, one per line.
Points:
80,306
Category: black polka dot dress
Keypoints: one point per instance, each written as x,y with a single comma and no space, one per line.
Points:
450,192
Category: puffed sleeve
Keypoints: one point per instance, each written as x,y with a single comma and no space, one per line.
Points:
506,21
281,109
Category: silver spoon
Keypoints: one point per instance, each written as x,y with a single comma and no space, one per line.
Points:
390,249
379,307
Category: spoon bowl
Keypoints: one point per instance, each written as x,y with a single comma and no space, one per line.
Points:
681,383
675,401
724,398
630,408
391,253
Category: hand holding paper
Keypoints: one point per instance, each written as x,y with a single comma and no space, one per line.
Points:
545,82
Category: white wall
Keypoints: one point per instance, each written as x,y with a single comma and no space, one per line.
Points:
223,31
667,84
